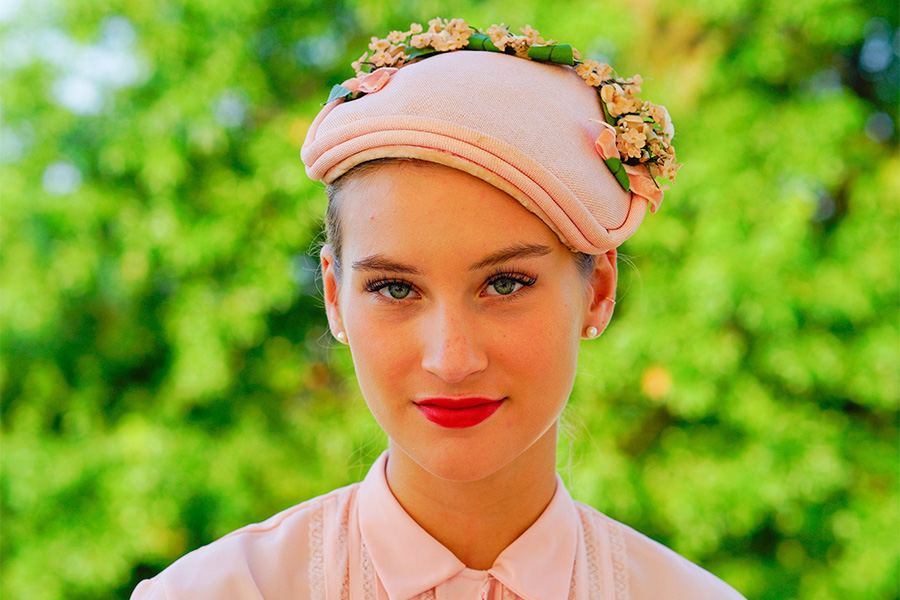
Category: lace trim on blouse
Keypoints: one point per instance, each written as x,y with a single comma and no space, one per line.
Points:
343,552
619,561
369,584
592,550
317,551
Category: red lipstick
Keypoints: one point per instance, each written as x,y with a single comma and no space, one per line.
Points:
458,413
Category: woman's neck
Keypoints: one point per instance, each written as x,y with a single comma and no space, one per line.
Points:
477,520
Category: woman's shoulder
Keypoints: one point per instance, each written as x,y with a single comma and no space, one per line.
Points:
644,569
269,559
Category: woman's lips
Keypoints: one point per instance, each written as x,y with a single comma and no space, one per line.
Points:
458,413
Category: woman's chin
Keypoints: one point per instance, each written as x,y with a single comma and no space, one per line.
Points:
454,460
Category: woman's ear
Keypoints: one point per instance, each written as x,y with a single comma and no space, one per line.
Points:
330,288
602,292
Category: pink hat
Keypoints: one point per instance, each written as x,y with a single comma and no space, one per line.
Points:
531,129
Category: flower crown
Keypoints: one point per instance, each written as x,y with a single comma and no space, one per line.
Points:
635,132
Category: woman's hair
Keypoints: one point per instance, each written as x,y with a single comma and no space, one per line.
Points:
333,236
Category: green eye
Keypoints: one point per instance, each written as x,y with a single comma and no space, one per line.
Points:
505,286
397,291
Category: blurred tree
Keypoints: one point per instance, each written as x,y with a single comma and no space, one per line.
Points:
166,375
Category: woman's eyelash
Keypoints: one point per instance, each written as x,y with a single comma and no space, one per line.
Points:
376,284
373,285
526,280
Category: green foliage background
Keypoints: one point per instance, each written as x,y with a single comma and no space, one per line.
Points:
166,373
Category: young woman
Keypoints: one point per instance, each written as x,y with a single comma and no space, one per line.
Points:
478,186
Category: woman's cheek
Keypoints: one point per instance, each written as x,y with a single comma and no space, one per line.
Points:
381,347
559,347
531,347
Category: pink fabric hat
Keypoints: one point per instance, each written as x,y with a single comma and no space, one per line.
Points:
530,129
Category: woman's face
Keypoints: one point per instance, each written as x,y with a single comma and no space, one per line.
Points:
449,288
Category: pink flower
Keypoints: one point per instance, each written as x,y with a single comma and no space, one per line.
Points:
532,35
499,35
634,138
642,185
606,144
397,37
618,101
372,82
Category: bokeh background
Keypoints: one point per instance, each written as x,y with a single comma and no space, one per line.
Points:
167,376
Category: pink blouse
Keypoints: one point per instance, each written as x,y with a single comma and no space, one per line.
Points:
358,543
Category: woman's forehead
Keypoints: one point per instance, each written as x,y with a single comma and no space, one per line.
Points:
413,210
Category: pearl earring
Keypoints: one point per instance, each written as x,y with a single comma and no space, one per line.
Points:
591,332
341,337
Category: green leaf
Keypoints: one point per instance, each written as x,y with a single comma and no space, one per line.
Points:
420,52
623,180
615,165
338,91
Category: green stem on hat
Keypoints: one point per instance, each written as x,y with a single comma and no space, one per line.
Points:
481,41
560,54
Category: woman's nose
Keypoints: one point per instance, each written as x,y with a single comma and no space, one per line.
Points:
451,348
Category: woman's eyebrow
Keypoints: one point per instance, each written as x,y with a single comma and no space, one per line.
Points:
511,252
379,262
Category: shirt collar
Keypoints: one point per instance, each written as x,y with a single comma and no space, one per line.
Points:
536,566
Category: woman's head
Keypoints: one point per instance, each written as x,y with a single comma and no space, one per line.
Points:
472,259
449,288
